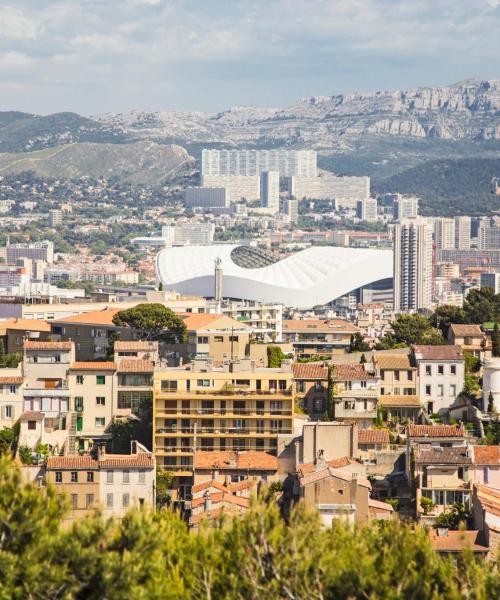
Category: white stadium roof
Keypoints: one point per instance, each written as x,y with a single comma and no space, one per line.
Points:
305,279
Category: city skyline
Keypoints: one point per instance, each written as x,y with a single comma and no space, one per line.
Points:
89,57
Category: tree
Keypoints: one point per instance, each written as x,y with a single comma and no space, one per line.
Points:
138,428
426,504
151,320
445,315
362,359
11,361
416,329
357,343
164,480
482,306
453,518
274,357
491,403
495,341
330,410
6,439
110,349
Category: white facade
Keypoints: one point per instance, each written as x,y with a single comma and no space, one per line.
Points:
252,162
488,234
462,233
35,251
439,383
405,207
412,265
11,396
366,209
346,190
444,233
491,382
270,190
314,276
236,186
206,197
189,234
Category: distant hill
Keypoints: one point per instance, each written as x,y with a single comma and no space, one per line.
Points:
139,163
448,186
22,132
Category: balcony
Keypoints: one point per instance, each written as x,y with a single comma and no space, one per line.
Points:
348,413
236,391
61,392
236,431
228,412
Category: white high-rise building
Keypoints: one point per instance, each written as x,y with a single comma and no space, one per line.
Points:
366,209
412,265
405,207
189,234
270,190
299,163
462,233
35,251
444,233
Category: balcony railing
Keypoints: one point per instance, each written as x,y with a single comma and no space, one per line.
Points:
223,430
223,411
229,392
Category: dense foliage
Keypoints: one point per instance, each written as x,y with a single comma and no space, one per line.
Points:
151,320
257,556
408,330
274,357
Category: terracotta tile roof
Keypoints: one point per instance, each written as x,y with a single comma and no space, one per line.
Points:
25,325
337,463
486,455
352,372
378,505
393,400
326,472
225,497
93,366
94,317
373,436
247,461
135,365
31,345
194,321
490,499
436,431
125,460
11,379
206,485
71,463
246,484
31,415
314,371
456,541
460,330
213,514
423,352
142,346
442,456
392,361
319,326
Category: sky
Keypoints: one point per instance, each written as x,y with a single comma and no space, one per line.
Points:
96,56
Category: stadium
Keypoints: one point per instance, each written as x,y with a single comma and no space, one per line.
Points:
311,277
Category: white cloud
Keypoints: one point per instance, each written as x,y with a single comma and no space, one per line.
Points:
16,25
14,60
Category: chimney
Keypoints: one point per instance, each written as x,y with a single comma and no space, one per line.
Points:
208,502
354,488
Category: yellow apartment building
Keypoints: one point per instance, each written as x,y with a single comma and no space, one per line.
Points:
236,406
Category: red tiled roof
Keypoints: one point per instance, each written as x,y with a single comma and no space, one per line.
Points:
11,379
443,456
310,371
219,497
126,460
30,345
436,431
392,361
456,541
94,317
337,463
136,345
330,472
352,372
489,498
71,463
206,485
25,325
423,352
373,436
93,366
135,365
486,455
32,415
460,330
377,504
247,461
397,400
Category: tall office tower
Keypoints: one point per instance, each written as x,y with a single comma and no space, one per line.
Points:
300,163
412,265
291,209
55,217
444,233
35,251
270,189
462,233
405,207
366,209
491,280
488,234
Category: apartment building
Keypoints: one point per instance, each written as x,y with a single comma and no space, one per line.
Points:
356,392
11,396
265,320
314,336
440,375
311,388
13,332
398,376
471,338
200,407
229,467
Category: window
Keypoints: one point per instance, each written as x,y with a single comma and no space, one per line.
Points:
126,476
453,369
100,421
74,476
135,379
428,370
89,500
126,500
349,405
318,405
486,474
202,339
396,375
134,398
300,386
276,407
109,476
109,499
460,472
100,379
142,476
233,338
453,390
100,400
79,379
363,384
427,390
218,338
168,386
409,375
74,501
31,425
78,403
58,476
440,369
203,382
440,390
90,476
13,389
8,412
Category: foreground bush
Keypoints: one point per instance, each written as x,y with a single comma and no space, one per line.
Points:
153,556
